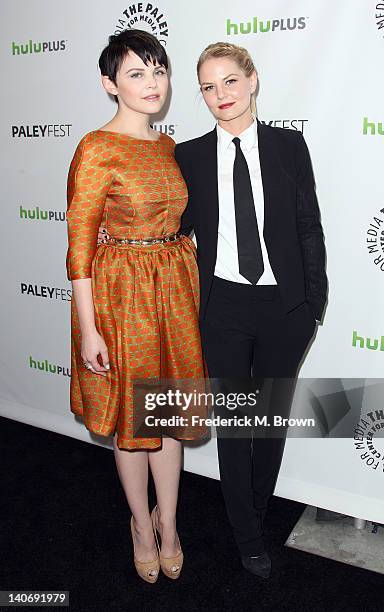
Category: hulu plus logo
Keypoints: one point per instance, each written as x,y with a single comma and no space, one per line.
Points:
50,368
164,128
38,214
370,128
259,26
38,47
373,344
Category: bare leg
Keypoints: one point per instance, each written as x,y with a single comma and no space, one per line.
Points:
165,467
132,467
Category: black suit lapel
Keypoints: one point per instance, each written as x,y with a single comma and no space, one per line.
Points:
208,178
269,165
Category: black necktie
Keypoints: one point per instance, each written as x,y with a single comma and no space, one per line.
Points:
248,241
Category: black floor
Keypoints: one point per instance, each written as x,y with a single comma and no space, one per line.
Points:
65,526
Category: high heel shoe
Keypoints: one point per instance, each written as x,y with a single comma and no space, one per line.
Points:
171,566
145,568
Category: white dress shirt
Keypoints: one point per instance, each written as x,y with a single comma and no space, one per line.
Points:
227,261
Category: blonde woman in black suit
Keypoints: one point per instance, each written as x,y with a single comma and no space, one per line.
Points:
261,257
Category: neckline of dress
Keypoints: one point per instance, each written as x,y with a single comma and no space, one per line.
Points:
131,137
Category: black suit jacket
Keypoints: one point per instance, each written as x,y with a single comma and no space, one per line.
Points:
292,228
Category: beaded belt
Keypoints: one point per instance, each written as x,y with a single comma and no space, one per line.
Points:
145,241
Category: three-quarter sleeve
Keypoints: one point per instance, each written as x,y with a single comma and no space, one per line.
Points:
88,184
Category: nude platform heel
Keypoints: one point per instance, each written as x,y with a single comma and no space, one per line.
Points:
171,566
144,568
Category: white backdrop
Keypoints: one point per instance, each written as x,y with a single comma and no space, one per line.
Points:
320,69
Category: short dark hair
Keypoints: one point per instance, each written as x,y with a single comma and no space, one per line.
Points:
145,45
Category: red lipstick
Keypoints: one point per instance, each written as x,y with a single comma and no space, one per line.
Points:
224,106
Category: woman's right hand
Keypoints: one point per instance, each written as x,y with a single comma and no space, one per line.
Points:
92,345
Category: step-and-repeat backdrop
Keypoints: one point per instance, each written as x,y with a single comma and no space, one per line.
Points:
320,70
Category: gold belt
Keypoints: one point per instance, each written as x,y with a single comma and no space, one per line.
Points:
145,241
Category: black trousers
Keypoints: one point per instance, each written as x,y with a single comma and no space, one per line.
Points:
247,334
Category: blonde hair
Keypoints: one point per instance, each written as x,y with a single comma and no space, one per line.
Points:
238,54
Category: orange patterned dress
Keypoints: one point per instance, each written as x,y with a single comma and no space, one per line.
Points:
145,297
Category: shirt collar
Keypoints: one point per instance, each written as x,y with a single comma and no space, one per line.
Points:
248,138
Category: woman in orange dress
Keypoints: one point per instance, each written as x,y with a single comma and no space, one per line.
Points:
135,306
